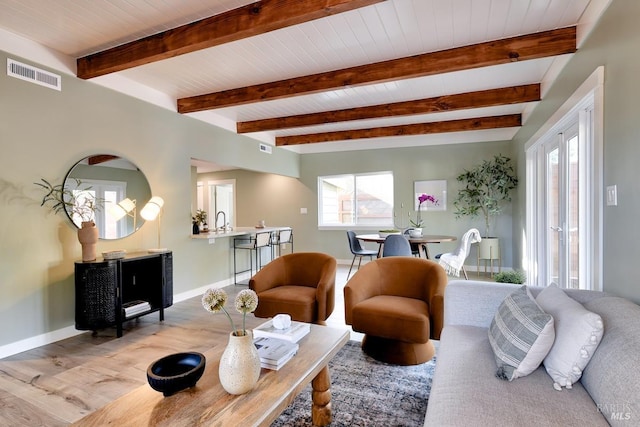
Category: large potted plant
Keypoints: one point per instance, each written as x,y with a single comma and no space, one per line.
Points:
486,189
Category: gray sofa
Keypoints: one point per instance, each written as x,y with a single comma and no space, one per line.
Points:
466,392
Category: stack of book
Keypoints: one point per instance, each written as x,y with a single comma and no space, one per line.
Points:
294,333
274,353
132,308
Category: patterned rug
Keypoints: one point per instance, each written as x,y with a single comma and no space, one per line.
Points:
365,392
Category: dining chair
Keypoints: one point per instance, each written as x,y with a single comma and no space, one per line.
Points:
453,262
415,247
251,243
358,251
396,245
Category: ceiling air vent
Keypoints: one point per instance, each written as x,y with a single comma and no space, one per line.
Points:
265,148
34,75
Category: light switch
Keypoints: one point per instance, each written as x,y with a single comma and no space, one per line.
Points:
303,211
612,195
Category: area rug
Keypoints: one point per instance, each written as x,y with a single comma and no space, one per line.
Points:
365,392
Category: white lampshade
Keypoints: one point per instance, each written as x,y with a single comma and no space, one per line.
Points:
119,210
152,208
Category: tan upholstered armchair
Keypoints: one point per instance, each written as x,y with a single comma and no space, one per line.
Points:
398,304
300,284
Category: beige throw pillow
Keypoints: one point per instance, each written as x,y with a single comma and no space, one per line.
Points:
578,334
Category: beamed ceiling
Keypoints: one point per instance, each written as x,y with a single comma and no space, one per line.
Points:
322,75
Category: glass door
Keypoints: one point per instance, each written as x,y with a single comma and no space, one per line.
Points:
562,209
564,194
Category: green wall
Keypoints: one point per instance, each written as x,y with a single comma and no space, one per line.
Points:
278,199
43,133
614,44
408,165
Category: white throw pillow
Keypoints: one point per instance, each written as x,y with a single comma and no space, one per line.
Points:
520,335
578,334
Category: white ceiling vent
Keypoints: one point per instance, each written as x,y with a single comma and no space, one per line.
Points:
34,75
265,148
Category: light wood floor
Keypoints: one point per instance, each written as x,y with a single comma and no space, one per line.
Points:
59,383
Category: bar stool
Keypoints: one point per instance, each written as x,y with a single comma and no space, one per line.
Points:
260,240
282,237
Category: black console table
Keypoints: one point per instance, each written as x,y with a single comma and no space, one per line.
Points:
103,287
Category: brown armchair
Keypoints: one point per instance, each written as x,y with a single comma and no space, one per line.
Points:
398,304
300,284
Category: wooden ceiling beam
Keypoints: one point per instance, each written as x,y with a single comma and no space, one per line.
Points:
247,21
438,104
521,48
101,158
478,123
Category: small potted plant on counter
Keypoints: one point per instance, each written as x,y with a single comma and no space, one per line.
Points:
201,221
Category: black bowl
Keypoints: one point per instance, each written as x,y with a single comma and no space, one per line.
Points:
176,372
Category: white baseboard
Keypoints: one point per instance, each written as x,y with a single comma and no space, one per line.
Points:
38,340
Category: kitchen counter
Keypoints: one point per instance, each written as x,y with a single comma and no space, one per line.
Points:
237,231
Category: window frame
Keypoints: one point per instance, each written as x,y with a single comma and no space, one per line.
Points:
355,225
585,107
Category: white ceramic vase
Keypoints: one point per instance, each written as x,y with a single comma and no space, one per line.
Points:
239,365
415,232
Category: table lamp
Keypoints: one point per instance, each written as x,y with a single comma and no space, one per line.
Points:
151,211
123,208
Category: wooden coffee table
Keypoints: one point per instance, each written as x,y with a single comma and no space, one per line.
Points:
209,404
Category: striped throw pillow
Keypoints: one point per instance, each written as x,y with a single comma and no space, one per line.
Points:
521,335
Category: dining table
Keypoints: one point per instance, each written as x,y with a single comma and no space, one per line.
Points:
421,241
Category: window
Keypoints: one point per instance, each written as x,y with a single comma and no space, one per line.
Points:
564,193
217,196
356,200
110,192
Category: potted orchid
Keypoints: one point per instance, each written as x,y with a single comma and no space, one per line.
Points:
239,368
417,224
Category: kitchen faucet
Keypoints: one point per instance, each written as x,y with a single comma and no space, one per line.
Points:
224,221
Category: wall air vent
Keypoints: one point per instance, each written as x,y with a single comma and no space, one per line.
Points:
34,75
265,148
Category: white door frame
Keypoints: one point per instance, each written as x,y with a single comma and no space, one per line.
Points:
587,104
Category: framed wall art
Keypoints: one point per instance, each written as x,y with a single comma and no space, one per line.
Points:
437,189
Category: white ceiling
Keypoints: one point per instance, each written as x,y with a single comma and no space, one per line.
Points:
384,31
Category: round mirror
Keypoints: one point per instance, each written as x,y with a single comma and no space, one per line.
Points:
108,190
